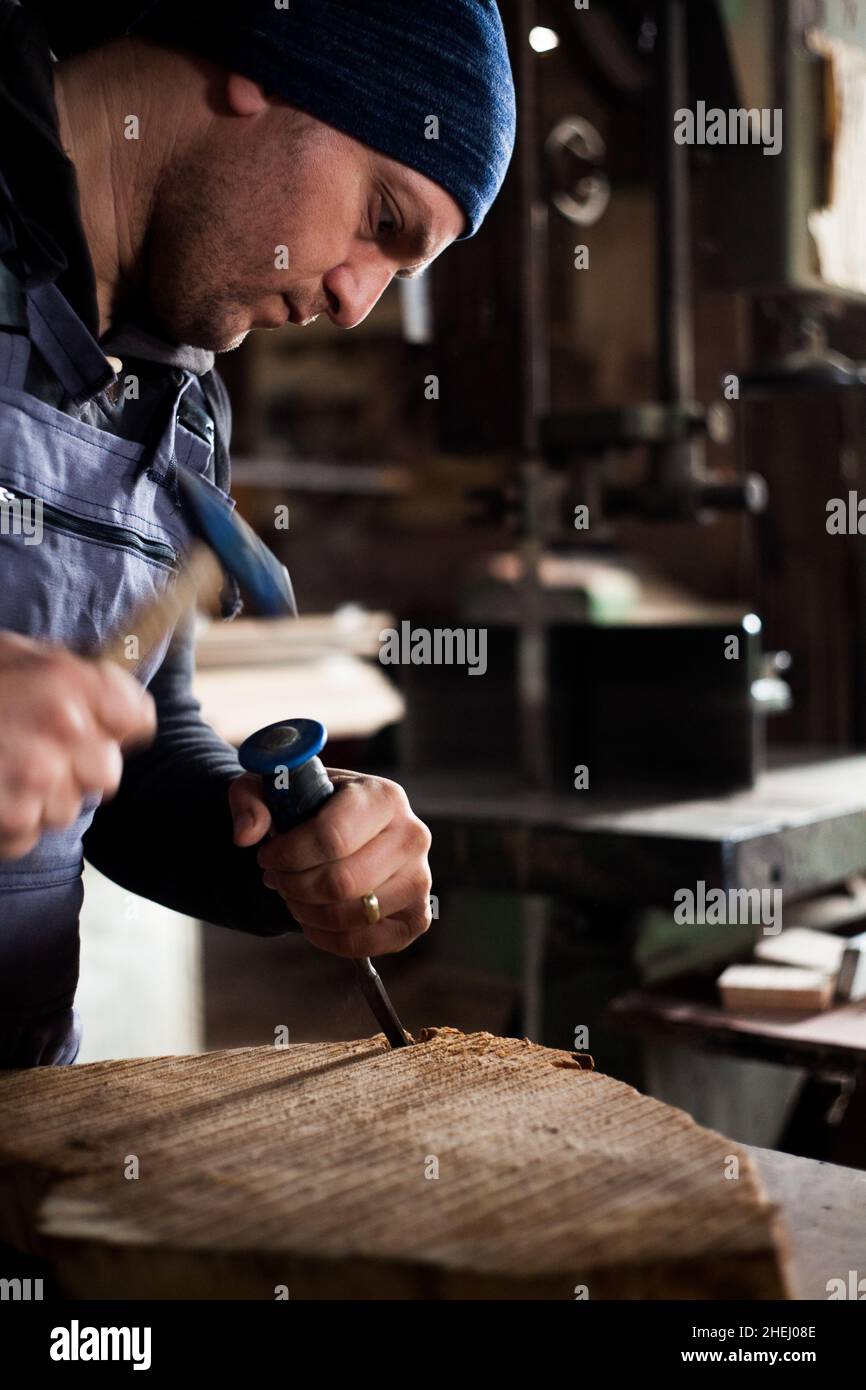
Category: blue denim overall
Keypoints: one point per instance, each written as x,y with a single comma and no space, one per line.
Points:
112,533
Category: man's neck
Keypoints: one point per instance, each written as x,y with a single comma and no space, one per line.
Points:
105,103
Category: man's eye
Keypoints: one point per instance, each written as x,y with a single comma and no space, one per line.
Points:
387,222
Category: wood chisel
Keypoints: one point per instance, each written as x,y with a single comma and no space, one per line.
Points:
296,785
286,751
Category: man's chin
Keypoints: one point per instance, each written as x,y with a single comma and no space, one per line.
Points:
232,343
224,337
210,335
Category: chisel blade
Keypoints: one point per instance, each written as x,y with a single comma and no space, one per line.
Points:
383,1009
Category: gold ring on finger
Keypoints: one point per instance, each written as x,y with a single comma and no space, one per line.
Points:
372,911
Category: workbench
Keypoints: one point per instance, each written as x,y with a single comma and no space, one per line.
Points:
824,1207
802,828
688,1013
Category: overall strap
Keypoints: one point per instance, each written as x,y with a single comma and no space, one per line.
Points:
51,324
14,343
14,358
66,344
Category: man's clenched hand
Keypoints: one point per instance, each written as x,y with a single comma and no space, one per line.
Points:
364,839
63,723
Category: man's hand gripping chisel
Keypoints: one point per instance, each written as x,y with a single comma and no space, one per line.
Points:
295,783
295,786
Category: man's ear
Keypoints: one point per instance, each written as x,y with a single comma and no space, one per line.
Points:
245,97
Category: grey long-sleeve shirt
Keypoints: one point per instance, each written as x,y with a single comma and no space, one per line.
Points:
167,835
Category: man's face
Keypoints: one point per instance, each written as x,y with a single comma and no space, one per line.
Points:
281,218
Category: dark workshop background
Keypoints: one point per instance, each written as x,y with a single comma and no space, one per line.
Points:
704,361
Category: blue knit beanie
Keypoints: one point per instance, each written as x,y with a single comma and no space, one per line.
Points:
378,70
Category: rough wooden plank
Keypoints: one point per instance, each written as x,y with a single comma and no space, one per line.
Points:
307,1167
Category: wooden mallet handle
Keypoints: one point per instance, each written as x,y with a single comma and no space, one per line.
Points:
200,578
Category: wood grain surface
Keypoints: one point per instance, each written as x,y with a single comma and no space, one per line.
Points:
310,1170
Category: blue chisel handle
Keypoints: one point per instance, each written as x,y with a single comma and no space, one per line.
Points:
294,780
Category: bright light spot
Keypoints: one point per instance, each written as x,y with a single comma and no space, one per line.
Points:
543,40
752,623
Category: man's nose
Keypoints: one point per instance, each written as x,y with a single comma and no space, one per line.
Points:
353,289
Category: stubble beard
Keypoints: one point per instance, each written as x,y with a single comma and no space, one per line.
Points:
193,255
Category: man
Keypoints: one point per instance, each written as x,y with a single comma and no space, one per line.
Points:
193,173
